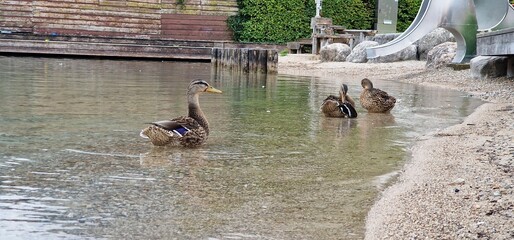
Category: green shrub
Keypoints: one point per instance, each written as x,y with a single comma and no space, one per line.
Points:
272,21
353,14
280,21
407,10
283,52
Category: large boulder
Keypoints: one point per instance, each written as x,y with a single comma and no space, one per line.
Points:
441,55
358,54
434,38
409,53
384,38
335,52
483,67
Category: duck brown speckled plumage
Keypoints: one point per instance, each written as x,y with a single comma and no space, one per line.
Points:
188,131
339,107
375,100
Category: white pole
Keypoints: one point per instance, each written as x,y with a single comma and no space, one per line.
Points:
318,7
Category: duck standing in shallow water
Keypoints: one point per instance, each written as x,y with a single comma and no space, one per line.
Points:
375,100
190,131
340,107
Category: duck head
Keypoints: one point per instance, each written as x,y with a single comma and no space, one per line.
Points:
199,86
366,84
343,91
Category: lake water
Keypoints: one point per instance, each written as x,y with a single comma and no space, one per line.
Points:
72,164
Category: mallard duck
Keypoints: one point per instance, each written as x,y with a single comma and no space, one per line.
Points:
375,100
190,131
342,106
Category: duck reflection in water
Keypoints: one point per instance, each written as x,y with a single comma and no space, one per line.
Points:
164,156
342,127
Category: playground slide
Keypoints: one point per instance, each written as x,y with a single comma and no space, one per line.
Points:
463,18
502,18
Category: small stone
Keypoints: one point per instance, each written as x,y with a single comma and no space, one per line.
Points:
458,181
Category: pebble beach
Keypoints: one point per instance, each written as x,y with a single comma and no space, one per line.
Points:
459,181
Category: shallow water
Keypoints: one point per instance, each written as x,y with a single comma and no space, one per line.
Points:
72,164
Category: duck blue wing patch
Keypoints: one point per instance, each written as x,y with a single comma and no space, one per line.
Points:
181,130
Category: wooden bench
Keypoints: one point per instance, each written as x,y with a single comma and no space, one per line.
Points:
341,38
360,35
301,46
324,33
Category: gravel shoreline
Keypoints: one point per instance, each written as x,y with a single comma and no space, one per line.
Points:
459,183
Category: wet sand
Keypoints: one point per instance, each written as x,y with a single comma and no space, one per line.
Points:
459,182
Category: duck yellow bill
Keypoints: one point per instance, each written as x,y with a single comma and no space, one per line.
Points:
213,90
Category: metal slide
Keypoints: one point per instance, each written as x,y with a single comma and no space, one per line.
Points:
494,14
463,18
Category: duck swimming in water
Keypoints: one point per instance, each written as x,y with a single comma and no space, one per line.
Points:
339,107
189,131
375,100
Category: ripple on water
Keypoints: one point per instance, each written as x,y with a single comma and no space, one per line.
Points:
73,166
26,217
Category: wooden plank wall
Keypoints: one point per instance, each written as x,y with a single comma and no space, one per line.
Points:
16,15
194,27
144,19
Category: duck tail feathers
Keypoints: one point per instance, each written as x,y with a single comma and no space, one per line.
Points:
143,134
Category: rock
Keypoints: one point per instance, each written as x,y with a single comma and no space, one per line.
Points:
409,53
434,38
505,161
441,55
483,67
335,52
342,55
358,54
458,181
423,46
384,38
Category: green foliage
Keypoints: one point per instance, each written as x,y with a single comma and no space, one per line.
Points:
352,14
280,21
370,7
273,21
283,52
181,4
407,10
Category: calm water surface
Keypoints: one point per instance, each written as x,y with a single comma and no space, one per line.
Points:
72,164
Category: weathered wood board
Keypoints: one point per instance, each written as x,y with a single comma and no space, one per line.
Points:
190,19
107,24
